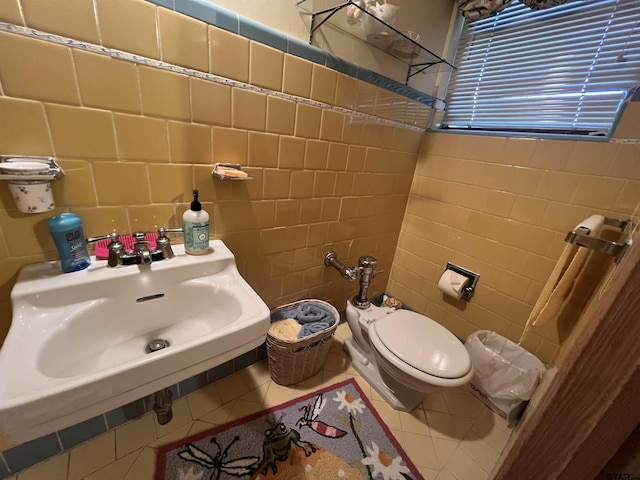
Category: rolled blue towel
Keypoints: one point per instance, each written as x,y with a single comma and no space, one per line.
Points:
311,328
292,312
312,312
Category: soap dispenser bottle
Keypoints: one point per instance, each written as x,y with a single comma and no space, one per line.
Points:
196,228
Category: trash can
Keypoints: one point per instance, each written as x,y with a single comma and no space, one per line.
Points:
505,373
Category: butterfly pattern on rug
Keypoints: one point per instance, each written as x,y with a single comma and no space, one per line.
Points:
299,443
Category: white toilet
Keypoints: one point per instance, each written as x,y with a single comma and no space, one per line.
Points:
405,355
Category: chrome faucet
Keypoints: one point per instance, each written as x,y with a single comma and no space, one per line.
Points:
141,249
366,268
140,254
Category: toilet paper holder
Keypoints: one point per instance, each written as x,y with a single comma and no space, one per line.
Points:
469,289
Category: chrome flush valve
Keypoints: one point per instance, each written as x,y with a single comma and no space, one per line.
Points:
366,269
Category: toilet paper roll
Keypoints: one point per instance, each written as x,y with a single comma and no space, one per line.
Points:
452,283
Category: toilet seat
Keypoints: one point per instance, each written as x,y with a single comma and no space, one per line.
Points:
420,348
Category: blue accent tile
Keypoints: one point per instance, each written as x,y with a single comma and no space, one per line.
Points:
82,432
125,413
220,371
210,13
163,3
306,51
244,360
29,453
192,384
4,471
394,86
341,65
263,34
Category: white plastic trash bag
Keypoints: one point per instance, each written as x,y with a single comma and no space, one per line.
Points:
504,372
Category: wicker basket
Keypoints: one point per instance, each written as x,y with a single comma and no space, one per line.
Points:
291,361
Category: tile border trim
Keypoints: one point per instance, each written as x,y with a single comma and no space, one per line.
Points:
228,20
150,62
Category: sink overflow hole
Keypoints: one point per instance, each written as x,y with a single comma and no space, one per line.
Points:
149,297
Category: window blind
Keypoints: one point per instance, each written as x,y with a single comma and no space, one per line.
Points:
565,69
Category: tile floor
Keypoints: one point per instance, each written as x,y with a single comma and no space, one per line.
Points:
451,436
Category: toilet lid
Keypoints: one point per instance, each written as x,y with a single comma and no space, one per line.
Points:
424,344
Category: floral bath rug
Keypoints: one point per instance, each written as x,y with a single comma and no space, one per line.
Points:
333,433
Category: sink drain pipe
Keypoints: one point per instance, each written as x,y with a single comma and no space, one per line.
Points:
164,397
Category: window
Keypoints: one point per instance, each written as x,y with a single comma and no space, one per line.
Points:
565,69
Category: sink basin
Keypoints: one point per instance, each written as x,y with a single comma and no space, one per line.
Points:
78,341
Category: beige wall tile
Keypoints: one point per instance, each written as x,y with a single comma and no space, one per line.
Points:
297,76
323,84
141,138
352,129
164,93
558,186
37,70
228,54
338,156
77,189
346,91
131,178
523,181
552,154
24,128
82,132
171,183
598,192
518,151
210,102
230,145
36,243
316,155
625,162
148,218
529,210
265,66
73,18
308,118
249,109
263,149
190,143
281,114
183,40
102,220
331,125
301,184
288,213
628,125
291,153
591,158
276,183
129,25
11,12
107,83
629,199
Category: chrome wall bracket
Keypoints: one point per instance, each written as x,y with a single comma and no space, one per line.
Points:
53,173
581,236
469,289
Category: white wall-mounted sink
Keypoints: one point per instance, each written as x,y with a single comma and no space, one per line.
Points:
77,346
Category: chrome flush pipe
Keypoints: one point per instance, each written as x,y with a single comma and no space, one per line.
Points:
366,269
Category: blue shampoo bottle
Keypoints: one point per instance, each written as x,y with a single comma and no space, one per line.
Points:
66,230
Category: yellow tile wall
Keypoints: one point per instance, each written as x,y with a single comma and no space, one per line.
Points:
501,207
135,146
135,140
